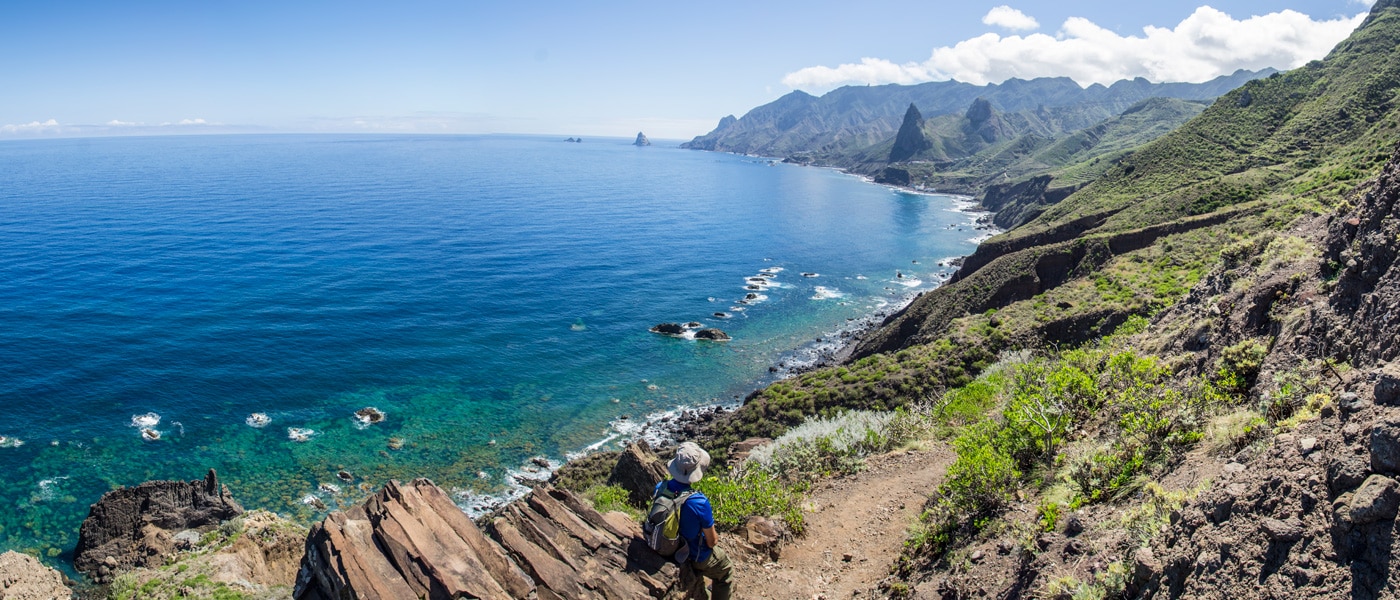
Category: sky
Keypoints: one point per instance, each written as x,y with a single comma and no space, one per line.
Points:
603,68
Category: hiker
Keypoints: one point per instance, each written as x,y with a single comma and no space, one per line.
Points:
697,522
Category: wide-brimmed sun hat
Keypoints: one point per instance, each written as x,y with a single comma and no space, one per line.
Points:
689,464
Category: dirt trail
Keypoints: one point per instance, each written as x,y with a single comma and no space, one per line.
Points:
864,517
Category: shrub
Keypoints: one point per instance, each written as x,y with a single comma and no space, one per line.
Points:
1239,365
837,444
753,492
1049,513
610,498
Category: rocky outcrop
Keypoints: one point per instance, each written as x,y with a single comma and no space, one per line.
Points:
638,471
641,140
411,541
672,329
1019,202
255,556
23,577
983,122
712,334
1363,248
136,526
911,139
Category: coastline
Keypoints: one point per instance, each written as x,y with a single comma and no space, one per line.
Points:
663,429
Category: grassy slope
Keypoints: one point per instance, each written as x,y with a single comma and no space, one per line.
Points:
1260,158
1312,132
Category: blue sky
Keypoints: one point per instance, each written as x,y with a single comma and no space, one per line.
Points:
604,68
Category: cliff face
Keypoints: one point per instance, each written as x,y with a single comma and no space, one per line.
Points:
135,527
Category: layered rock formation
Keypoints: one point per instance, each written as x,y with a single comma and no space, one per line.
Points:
136,527
23,577
412,541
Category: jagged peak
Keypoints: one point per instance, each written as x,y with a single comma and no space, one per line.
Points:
980,110
911,139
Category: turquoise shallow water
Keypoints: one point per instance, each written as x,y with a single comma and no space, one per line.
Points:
474,289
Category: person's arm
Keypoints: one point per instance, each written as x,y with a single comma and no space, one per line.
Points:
711,538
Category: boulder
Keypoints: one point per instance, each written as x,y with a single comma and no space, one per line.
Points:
411,541
638,471
739,451
136,526
1387,388
1282,531
23,577
1385,446
766,535
1377,499
712,334
1345,473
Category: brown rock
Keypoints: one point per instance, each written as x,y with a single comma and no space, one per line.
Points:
23,577
1282,531
411,541
1376,500
135,526
739,451
638,471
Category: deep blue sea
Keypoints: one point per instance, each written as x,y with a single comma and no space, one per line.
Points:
490,295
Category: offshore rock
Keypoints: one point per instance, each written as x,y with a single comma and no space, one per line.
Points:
714,335
135,527
23,577
668,329
638,471
641,140
411,541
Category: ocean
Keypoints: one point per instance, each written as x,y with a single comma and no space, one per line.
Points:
489,295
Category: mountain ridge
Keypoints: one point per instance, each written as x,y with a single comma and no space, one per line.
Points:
860,116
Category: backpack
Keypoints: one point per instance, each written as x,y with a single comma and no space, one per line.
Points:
662,528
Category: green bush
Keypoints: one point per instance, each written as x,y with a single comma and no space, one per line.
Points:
753,492
1049,513
1239,365
611,498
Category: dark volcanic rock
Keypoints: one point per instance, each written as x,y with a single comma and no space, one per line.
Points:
911,139
638,471
1377,499
641,140
411,541
712,335
1385,446
668,329
135,527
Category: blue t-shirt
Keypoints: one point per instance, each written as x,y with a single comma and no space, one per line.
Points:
696,516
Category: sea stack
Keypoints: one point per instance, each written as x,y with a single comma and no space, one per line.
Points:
641,140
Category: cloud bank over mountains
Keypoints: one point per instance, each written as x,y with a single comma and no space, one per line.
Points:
1205,45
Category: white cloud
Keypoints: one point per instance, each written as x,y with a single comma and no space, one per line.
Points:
1009,18
1207,44
192,122
30,128
120,123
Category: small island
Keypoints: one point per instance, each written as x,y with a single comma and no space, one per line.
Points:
641,140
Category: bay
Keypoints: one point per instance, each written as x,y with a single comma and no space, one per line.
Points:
490,294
